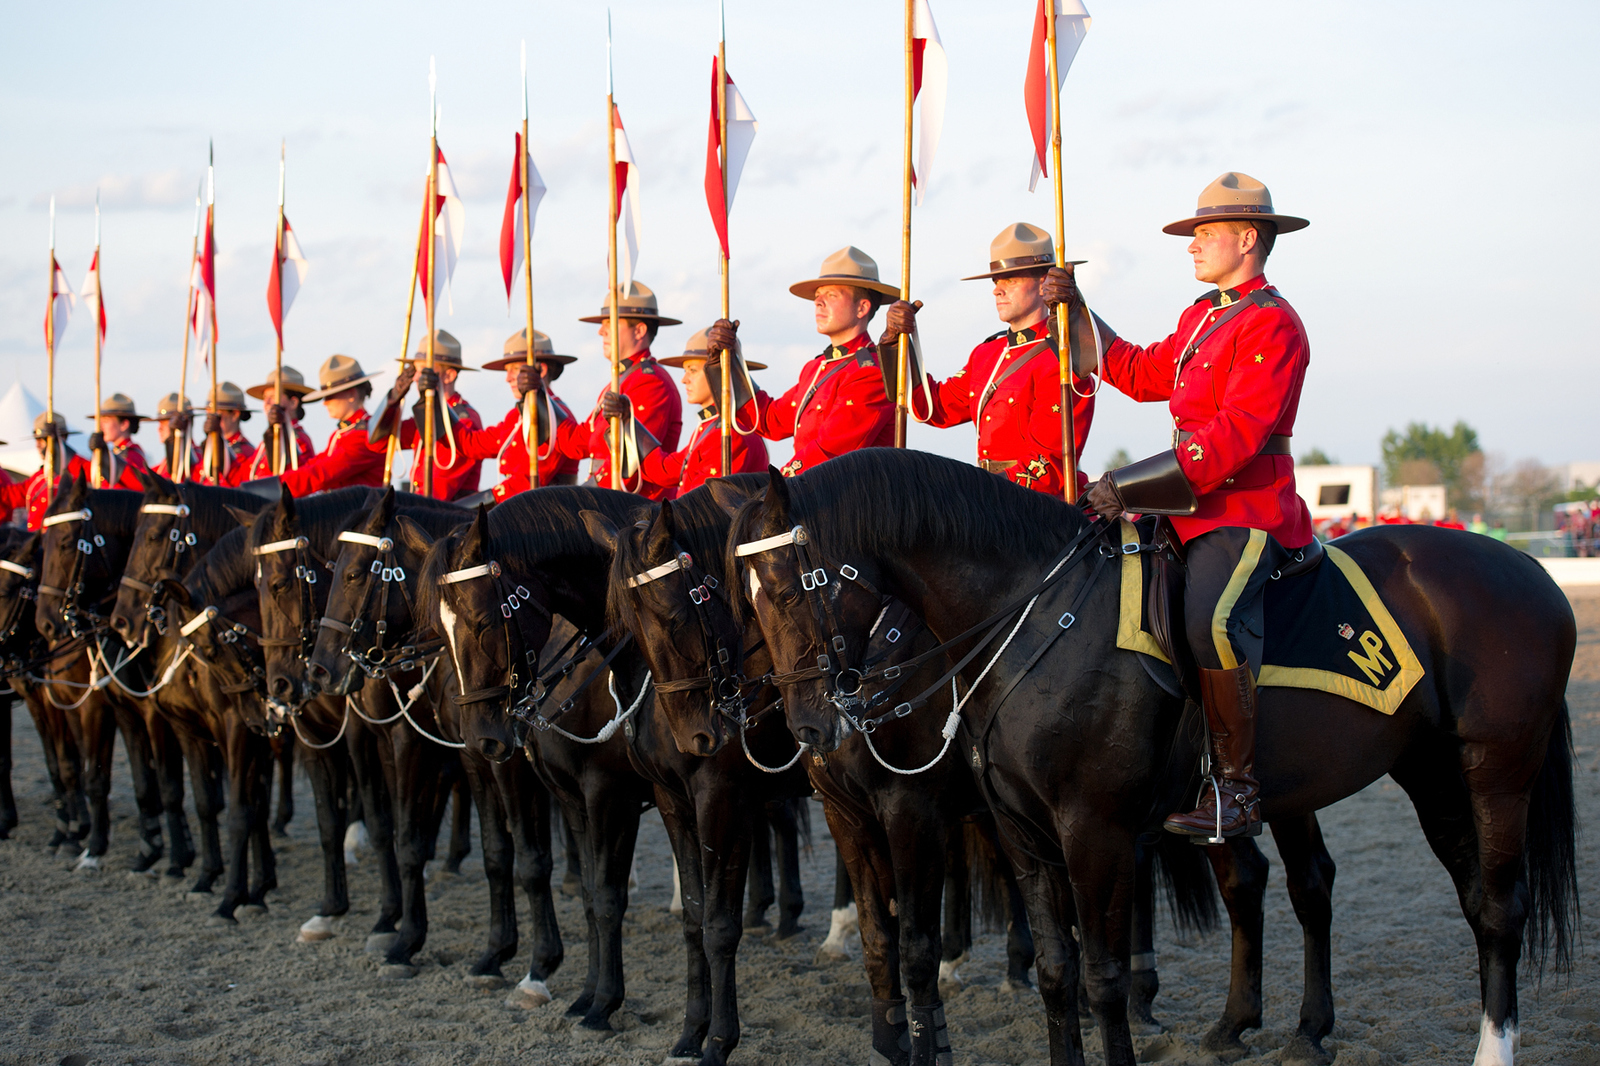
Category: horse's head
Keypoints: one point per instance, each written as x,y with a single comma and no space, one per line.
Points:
160,541
367,625
66,555
291,580
222,629
816,615
20,561
493,626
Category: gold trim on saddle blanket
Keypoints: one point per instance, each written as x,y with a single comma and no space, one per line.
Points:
1388,642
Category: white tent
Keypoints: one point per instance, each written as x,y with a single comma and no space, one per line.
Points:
18,409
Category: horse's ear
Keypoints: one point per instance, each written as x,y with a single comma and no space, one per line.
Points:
601,529
241,516
286,514
776,505
148,481
176,589
164,485
413,535
666,521
477,540
727,495
382,513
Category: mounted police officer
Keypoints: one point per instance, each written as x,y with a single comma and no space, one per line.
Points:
1010,387
504,442
647,395
458,477
1231,375
343,389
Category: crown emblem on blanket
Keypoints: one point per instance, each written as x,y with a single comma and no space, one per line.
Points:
1346,630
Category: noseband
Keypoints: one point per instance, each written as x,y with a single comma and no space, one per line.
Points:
375,660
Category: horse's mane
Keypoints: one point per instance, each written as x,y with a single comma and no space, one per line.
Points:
321,516
884,502
700,526
436,516
222,571
208,506
115,510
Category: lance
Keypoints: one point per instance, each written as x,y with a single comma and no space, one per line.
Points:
277,250
1069,436
214,442
903,354
611,237
428,396
180,451
530,402
97,476
393,447
51,446
725,399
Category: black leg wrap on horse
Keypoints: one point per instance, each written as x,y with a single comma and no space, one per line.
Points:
891,1037
930,1040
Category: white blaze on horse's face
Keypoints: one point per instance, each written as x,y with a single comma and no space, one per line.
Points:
755,585
447,615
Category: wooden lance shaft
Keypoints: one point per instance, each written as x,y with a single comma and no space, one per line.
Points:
51,444
903,352
428,397
725,411
97,476
530,401
615,323
180,450
1069,436
393,446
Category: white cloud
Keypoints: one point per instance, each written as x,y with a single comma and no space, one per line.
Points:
167,188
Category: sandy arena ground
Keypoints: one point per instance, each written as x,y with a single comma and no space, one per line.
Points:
111,968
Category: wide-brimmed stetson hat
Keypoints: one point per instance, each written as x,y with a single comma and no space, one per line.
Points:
638,302
700,348
446,352
38,427
228,397
848,266
293,384
544,351
171,404
1234,197
340,372
120,405
1020,247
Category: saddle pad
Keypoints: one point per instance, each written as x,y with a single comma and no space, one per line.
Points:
1326,630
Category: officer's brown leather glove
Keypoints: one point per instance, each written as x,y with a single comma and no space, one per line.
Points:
614,405
723,336
900,321
528,379
1104,499
274,413
401,386
213,423
1061,287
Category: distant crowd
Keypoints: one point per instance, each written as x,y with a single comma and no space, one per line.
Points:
1331,528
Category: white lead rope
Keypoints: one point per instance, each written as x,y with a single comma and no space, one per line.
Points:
611,727
294,720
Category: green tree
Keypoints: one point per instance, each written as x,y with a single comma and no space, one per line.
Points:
1317,457
1451,454
1118,459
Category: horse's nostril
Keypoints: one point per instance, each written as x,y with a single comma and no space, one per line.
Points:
281,687
704,744
317,672
119,623
811,735
491,747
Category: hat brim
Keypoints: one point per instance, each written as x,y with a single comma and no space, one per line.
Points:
118,414
660,320
332,390
259,392
438,364
1006,273
807,290
1185,227
510,360
677,361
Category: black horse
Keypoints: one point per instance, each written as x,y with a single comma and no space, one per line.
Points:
1089,752
87,536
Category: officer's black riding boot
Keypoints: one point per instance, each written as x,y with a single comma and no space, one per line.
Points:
1229,806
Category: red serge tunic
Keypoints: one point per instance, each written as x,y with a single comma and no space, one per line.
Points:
259,465
655,402
451,482
1013,380
688,469
127,463
1239,388
506,443
837,406
346,461
31,493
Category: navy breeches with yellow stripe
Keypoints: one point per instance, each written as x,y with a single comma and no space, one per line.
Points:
1228,571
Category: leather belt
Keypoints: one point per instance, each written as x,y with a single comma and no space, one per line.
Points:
1277,444
996,466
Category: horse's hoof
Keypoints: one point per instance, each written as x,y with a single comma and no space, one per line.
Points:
1224,1043
86,864
1017,986
528,994
222,921
757,927
571,885
173,874
380,943
254,910
1150,1028
594,1028
397,971
950,979
788,932
198,895
316,928
489,982
830,956
1305,1049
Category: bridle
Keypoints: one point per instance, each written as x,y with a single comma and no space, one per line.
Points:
234,636
180,539
307,562
376,660
80,622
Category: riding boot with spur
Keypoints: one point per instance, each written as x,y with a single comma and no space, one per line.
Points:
1229,804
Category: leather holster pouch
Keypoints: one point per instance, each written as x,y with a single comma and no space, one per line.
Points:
1155,486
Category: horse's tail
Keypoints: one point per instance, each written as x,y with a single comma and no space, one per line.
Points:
988,873
1184,874
1551,854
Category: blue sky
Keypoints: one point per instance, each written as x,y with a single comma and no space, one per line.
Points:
1445,154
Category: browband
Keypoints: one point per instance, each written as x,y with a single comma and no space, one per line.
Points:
198,620
681,561
180,510
68,516
383,544
766,544
489,569
17,568
280,546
